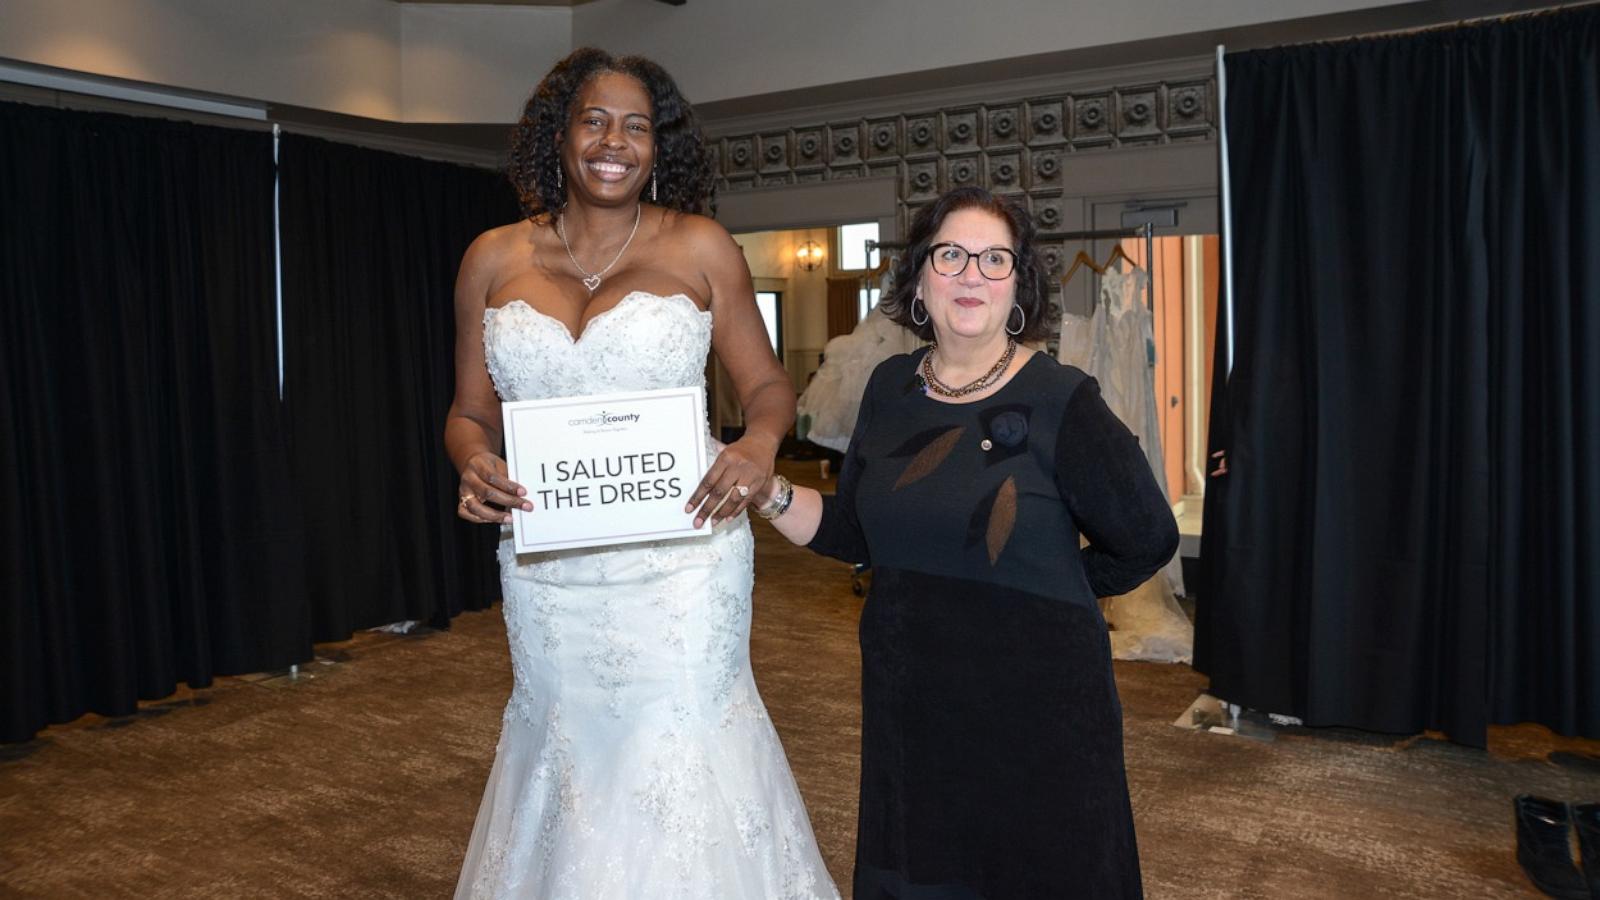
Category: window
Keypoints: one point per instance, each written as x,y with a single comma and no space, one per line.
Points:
869,299
853,247
770,304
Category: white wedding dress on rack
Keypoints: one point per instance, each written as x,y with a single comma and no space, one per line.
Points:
1116,345
830,403
636,760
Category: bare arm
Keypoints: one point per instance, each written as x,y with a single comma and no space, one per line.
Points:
830,525
799,522
765,392
472,427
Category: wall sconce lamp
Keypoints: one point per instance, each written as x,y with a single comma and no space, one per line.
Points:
808,255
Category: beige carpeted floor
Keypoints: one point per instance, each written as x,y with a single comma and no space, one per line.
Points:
361,777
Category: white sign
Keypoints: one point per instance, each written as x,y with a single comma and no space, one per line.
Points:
606,469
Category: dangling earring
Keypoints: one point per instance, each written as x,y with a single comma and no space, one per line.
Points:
652,184
1019,327
558,176
924,320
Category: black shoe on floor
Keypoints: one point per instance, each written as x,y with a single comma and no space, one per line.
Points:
1586,818
1544,848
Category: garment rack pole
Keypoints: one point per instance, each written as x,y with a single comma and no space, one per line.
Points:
1146,231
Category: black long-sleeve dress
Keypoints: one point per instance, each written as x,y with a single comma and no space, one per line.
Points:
991,757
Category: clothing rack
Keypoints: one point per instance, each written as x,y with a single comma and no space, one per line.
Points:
1146,230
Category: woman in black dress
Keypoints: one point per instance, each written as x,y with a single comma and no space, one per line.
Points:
991,752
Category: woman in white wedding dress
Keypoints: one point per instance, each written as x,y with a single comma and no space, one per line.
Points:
636,759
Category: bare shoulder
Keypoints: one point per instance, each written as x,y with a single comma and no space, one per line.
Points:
493,257
495,244
486,263
701,234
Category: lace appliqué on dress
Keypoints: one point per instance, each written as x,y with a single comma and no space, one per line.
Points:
546,813
645,342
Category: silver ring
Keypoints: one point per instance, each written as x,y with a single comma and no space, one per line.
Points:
465,498
743,491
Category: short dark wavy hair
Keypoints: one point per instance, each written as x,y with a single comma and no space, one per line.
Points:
684,179
1033,286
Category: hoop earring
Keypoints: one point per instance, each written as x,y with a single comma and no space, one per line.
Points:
652,184
1019,327
914,320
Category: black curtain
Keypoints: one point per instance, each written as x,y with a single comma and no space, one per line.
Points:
371,244
1407,538
147,531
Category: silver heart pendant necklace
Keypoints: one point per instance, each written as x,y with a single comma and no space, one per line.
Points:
591,280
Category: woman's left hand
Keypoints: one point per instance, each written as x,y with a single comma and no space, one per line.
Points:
746,463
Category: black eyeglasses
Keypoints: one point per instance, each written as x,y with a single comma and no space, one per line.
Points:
994,263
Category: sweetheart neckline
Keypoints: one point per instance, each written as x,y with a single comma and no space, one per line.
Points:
589,325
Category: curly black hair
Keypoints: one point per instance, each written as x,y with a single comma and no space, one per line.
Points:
1033,286
684,179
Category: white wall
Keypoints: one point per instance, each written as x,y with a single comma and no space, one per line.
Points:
770,255
374,58
477,63
719,49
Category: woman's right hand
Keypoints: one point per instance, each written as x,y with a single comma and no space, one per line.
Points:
484,481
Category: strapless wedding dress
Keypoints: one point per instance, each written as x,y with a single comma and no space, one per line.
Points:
636,759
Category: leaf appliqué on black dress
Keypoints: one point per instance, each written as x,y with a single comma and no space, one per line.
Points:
930,448
994,520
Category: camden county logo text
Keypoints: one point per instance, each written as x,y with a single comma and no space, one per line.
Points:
605,418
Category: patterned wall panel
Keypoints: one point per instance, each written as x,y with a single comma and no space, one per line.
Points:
1046,121
1047,211
774,154
1091,120
922,181
1005,126
1045,168
1020,148
922,136
1005,171
1137,121
810,148
961,130
889,169
883,139
844,140
739,156
1189,110
962,170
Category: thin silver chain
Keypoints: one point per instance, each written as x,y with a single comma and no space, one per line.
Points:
591,280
